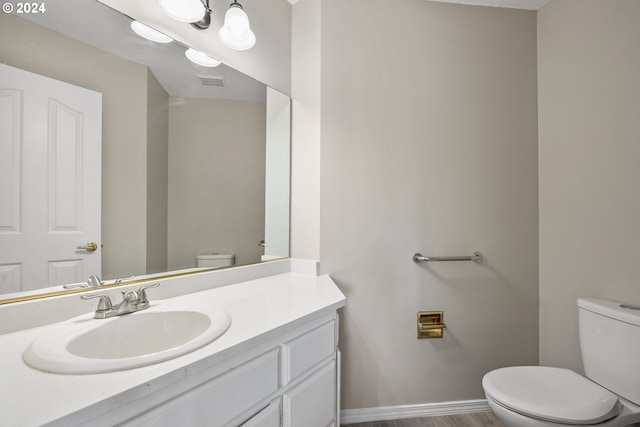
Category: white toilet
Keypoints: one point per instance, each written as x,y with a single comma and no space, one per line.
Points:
538,396
215,260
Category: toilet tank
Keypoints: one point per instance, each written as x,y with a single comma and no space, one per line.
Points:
610,345
215,260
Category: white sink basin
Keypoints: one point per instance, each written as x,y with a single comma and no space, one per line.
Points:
85,345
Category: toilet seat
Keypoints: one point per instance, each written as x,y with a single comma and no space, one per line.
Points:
550,394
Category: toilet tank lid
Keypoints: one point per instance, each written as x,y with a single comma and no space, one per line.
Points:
551,394
214,256
628,313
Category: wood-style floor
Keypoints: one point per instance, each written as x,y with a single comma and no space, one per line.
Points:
480,419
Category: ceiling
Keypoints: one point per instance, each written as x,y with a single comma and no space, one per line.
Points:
513,4
110,30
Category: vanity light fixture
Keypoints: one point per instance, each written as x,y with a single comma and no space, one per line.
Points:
203,23
236,33
149,33
200,58
184,10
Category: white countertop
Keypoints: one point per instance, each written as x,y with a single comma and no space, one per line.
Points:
29,397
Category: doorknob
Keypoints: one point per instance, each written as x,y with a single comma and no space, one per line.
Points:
91,246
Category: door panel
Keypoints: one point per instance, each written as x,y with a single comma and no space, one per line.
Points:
50,168
65,168
10,170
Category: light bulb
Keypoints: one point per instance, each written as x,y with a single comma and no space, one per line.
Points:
236,33
200,58
183,10
149,33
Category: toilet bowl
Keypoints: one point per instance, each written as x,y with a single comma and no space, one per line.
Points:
538,396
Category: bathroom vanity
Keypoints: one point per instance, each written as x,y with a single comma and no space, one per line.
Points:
278,364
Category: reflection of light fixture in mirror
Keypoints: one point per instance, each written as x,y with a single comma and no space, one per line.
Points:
200,58
149,33
203,23
235,33
184,10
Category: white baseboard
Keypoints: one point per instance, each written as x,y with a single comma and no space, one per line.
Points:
385,413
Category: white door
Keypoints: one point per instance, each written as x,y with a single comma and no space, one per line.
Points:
50,168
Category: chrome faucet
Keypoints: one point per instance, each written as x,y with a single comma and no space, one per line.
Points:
132,301
93,282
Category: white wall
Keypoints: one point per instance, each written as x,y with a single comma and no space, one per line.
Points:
305,130
589,109
428,144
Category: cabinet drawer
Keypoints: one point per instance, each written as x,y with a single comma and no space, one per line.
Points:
308,350
268,417
219,400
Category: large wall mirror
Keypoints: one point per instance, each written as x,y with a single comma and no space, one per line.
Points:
192,170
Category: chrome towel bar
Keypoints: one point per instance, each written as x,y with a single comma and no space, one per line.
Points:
476,257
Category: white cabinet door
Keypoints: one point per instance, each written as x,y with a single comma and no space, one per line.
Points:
50,167
268,417
312,402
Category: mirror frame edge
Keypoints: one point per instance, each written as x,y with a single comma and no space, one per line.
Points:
176,273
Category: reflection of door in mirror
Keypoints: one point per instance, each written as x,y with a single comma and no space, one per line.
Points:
50,165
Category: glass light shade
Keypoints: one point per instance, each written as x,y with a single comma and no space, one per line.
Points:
236,33
149,33
183,10
200,58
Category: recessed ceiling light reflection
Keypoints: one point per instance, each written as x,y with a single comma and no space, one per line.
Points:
149,33
202,59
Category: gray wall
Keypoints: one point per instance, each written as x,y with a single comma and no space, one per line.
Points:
157,174
429,143
216,193
589,110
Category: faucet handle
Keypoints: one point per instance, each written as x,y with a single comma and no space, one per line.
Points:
94,282
104,305
130,296
142,293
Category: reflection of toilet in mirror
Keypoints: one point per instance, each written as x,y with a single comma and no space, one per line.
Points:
215,260
537,396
